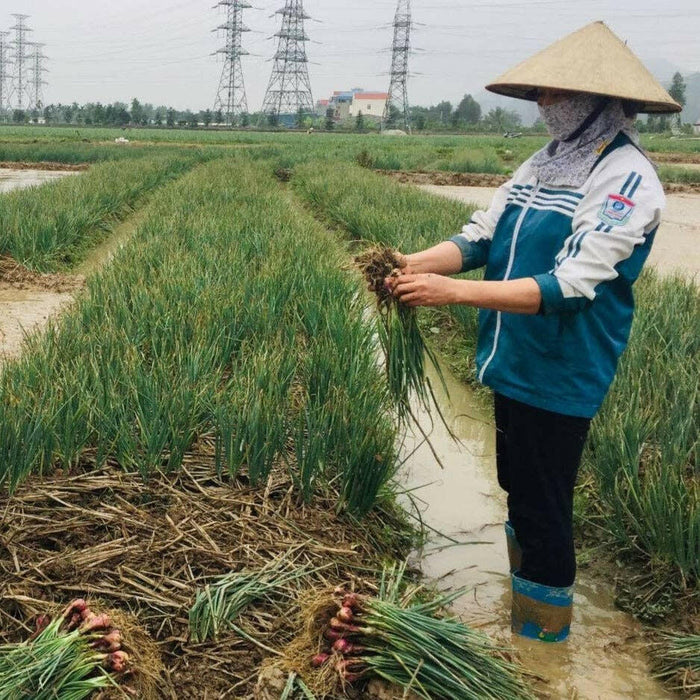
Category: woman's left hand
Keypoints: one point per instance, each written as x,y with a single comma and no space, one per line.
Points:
424,289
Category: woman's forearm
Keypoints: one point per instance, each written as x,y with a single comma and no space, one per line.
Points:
442,259
522,296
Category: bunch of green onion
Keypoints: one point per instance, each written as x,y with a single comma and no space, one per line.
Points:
677,662
219,604
399,334
410,647
67,658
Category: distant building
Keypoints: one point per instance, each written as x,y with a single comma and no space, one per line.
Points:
371,104
322,107
341,102
347,104
696,127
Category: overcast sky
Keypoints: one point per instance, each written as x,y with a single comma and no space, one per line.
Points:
159,51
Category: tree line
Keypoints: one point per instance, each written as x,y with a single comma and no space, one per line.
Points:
467,115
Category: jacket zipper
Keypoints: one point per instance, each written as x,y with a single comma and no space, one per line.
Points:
509,269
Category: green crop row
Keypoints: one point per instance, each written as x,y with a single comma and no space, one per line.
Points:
49,228
643,449
228,317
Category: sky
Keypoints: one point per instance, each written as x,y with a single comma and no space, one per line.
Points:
160,51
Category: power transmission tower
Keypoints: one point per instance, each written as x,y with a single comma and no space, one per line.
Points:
231,98
4,72
289,90
397,102
21,89
37,71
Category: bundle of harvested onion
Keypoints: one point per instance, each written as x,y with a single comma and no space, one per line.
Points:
410,647
402,342
69,657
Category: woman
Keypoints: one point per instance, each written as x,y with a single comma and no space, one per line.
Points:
563,243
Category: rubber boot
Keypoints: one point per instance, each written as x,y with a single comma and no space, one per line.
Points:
541,612
515,553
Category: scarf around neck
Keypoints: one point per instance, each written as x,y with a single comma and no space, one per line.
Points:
569,162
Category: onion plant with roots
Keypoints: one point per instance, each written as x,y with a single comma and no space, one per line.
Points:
401,339
411,644
69,657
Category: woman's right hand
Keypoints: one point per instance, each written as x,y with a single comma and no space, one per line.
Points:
405,264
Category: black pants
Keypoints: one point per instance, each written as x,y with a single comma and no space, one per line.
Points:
538,454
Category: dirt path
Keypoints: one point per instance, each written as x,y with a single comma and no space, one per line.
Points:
675,158
605,657
677,244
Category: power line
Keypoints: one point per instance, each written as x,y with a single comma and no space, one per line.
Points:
231,98
397,102
289,89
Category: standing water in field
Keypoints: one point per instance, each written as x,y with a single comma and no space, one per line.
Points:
19,179
28,301
604,658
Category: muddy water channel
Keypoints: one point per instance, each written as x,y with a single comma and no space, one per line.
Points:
604,657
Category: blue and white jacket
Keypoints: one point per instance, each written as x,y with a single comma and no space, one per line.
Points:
585,248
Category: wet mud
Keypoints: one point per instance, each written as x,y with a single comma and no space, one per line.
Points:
605,656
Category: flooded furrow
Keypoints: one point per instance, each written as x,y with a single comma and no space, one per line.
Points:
11,179
604,658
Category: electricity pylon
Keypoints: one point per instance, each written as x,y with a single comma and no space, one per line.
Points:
289,90
231,99
4,72
397,102
37,71
21,89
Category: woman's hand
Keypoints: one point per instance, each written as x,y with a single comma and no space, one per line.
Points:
405,265
424,289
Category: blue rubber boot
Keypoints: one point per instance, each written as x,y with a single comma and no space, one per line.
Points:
515,553
541,612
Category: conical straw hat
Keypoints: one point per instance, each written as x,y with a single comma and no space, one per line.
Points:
594,60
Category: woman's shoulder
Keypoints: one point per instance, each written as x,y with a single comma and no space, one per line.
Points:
628,158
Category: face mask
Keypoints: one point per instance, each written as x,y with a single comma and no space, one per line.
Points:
564,117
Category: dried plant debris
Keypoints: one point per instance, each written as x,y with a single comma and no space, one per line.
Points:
145,549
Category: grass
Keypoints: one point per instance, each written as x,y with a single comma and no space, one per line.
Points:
49,228
684,176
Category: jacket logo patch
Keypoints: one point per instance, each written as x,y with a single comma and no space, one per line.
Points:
617,210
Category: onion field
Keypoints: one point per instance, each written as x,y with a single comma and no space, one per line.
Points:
206,447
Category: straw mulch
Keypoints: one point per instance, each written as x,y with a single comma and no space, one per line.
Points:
144,549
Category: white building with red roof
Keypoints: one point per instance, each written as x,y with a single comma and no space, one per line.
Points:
371,104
